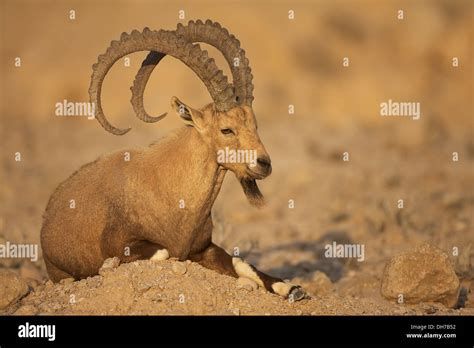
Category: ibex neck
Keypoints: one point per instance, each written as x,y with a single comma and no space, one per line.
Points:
197,176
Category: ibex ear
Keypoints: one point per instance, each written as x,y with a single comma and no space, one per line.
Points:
190,116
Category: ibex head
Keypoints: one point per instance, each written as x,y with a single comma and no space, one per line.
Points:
233,137
227,124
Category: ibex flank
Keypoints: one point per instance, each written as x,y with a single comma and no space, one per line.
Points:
158,203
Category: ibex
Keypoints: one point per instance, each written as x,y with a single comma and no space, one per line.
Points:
158,203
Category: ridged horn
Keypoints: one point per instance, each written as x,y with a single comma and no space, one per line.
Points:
210,33
169,43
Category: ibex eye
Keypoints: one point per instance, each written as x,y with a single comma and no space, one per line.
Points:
227,131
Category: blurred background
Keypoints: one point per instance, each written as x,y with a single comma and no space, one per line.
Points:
297,62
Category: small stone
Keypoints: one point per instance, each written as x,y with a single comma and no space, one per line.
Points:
424,274
109,264
429,309
247,284
12,288
400,310
236,311
179,268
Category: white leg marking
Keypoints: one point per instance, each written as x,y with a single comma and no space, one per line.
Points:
243,269
160,255
282,289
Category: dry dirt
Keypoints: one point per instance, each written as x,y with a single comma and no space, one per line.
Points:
337,110
147,288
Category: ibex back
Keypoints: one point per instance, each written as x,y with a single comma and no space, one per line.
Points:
157,201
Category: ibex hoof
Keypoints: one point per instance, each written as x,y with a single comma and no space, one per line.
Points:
296,293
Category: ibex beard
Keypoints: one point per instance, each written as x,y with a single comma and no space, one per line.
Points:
158,203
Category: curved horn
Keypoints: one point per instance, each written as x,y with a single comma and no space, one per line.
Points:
213,34
138,89
169,43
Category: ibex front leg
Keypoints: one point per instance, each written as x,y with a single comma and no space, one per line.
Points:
217,259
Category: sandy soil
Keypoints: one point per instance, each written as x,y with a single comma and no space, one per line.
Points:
147,288
337,110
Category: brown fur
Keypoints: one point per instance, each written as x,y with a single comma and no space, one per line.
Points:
135,204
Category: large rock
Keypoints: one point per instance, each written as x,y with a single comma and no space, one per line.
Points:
12,288
423,274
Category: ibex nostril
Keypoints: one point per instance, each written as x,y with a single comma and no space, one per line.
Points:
264,162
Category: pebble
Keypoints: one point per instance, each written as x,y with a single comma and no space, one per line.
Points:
179,268
400,310
109,264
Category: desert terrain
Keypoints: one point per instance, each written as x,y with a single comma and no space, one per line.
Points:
296,62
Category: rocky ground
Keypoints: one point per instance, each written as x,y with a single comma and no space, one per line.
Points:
425,277
290,242
333,200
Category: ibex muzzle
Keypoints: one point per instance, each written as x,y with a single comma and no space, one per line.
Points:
162,196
